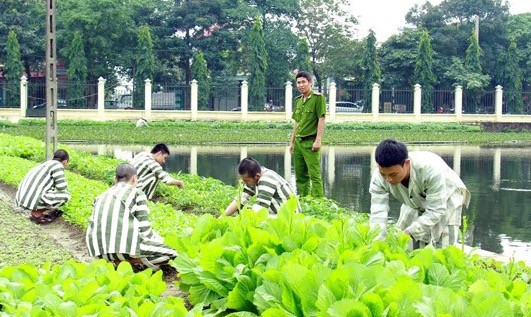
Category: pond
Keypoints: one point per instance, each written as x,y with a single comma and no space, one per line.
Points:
499,179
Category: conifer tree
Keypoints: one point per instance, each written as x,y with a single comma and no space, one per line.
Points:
144,66
302,59
371,72
77,72
257,65
473,65
513,80
13,70
200,73
424,71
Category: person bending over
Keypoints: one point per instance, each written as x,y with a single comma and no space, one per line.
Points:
431,193
270,189
150,172
119,228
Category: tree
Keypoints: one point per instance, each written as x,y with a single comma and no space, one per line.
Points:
144,66
108,29
200,73
397,57
513,80
302,58
519,29
424,71
324,24
26,18
370,67
473,65
13,70
257,65
77,72
281,45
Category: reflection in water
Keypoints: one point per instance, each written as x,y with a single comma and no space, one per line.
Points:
498,178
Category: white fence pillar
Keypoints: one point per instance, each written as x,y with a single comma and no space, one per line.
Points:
23,96
193,99
458,103
245,100
288,103
375,101
332,101
417,101
101,98
147,99
498,102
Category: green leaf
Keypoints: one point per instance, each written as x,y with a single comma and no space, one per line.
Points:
348,307
240,298
67,309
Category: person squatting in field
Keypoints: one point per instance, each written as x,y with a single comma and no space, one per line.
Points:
150,172
271,190
431,193
44,189
119,228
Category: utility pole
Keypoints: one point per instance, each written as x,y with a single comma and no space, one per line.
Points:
51,81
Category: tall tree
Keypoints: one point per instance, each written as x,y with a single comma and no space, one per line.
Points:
302,57
257,65
424,71
200,73
107,28
473,65
513,80
397,57
77,72
13,70
371,72
26,18
281,45
144,66
324,23
519,29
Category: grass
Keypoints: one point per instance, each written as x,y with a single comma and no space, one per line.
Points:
185,132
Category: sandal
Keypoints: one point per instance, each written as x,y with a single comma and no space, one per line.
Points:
53,214
40,220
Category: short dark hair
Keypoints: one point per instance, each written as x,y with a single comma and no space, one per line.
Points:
250,167
61,155
304,74
161,147
124,172
391,152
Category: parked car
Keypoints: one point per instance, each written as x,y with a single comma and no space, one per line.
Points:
61,103
347,106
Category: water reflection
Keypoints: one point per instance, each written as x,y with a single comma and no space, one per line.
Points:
498,178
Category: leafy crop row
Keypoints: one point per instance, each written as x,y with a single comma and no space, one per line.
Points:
292,265
79,289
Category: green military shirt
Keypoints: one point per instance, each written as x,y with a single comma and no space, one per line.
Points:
307,113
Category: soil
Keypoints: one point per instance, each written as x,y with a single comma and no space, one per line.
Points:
57,236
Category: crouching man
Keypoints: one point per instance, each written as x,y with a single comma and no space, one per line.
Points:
44,189
119,228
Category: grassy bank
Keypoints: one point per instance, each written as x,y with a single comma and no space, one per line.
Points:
226,132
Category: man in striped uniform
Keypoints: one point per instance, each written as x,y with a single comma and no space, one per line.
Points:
119,228
431,193
270,189
150,172
44,189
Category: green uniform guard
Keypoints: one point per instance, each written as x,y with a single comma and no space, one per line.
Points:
305,143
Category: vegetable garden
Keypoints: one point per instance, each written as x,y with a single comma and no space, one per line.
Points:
323,262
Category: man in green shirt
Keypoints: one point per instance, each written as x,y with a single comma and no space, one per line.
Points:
305,143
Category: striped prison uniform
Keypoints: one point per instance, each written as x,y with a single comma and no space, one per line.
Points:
271,191
149,173
432,202
120,228
43,187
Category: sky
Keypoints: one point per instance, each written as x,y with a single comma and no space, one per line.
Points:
386,17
